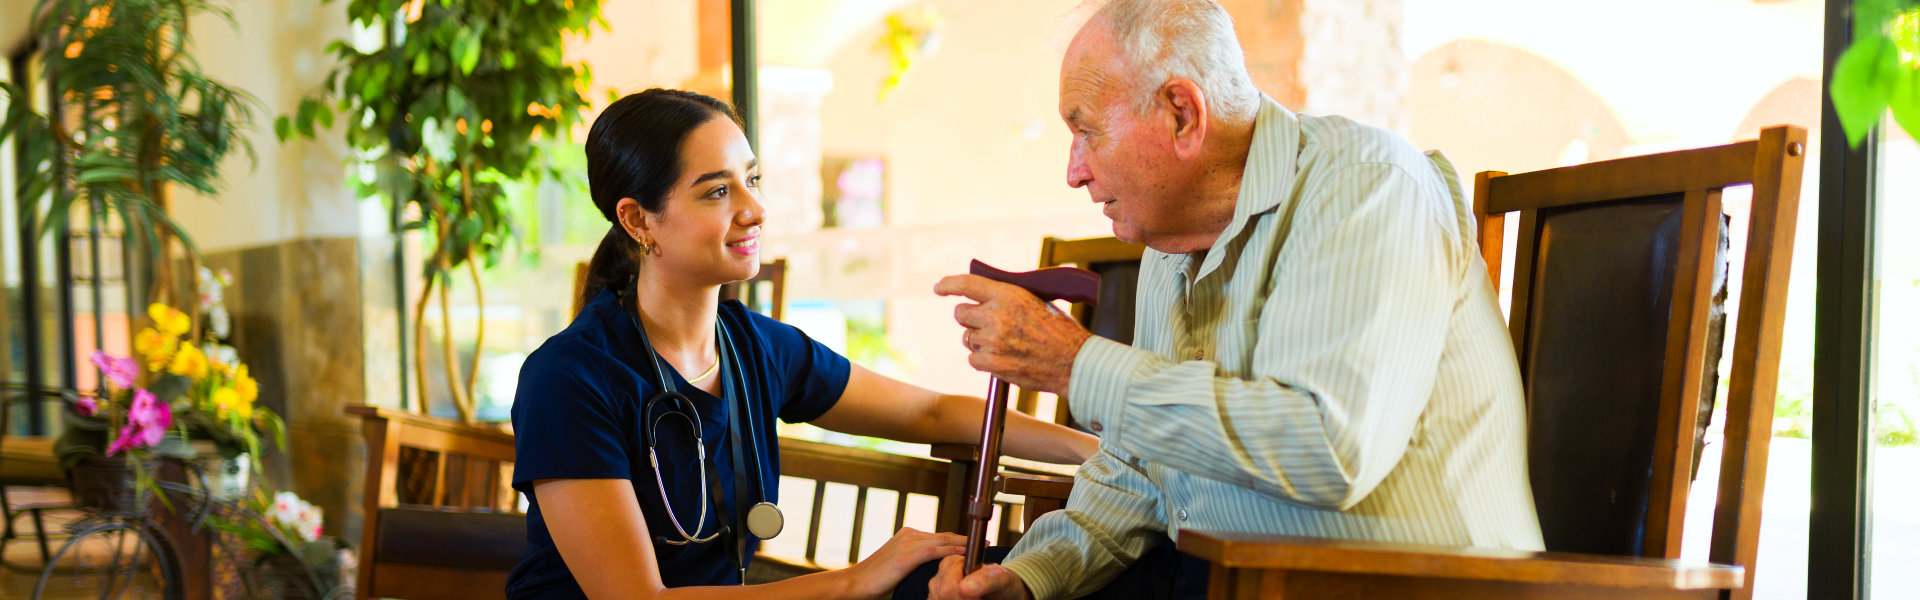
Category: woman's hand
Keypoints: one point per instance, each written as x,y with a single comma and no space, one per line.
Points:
882,571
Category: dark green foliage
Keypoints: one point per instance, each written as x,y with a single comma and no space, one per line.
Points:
454,90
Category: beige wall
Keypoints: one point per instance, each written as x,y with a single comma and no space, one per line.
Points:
297,190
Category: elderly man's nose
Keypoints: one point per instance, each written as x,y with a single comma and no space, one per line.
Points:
1078,175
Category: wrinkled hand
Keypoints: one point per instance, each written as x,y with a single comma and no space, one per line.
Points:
989,582
1013,335
881,572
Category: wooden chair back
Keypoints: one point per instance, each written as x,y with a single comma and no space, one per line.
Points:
442,518
1619,287
765,293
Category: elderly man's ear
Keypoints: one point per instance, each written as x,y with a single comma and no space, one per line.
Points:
1188,107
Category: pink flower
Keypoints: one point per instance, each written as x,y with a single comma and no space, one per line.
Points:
86,406
147,410
120,371
147,422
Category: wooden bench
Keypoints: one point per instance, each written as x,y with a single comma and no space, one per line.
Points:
443,521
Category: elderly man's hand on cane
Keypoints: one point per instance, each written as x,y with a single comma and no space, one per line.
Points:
991,582
1013,335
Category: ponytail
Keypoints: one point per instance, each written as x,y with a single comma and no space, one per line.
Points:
615,262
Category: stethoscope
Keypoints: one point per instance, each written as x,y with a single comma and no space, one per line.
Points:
764,520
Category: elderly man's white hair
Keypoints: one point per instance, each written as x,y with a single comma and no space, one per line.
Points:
1193,39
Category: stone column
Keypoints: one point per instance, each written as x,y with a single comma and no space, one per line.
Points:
1327,57
296,321
1351,64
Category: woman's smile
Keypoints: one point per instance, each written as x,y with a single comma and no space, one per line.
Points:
746,246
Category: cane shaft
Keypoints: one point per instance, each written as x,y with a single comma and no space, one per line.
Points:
980,509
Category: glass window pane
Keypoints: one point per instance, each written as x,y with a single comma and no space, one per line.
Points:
1895,535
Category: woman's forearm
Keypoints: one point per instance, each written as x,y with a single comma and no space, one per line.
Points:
1026,437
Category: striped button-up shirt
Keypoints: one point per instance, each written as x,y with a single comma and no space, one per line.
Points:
1335,365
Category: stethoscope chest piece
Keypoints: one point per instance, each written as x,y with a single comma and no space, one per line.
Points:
765,520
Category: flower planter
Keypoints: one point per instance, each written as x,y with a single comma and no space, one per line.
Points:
106,484
282,575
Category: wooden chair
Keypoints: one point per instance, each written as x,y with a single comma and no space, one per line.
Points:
442,519
29,462
1613,292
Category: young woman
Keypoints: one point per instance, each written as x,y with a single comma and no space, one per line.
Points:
646,426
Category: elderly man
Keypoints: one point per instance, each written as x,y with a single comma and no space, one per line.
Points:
1319,351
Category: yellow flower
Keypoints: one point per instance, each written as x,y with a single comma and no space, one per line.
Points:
244,384
169,320
226,400
189,362
155,346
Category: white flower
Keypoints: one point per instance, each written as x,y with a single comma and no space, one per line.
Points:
223,354
220,321
285,506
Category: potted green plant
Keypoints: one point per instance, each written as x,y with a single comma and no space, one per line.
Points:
450,104
138,117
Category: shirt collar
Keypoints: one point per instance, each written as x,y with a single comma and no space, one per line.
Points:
1265,179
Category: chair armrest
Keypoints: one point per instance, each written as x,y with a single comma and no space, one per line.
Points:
1036,486
1291,553
970,453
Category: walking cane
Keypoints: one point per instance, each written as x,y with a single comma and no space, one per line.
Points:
1057,283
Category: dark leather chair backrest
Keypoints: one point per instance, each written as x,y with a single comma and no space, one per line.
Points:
1601,313
1620,284
1112,316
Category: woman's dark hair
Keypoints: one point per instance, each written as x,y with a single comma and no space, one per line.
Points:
633,151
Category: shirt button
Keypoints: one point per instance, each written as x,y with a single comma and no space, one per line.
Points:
1095,426
1183,514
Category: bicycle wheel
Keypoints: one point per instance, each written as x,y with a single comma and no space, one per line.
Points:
111,559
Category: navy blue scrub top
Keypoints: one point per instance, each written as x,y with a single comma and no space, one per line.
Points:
577,415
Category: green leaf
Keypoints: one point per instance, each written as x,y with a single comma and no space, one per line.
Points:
508,59
102,174
1903,98
457,103
1860,85
469,231
468,49
422,63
